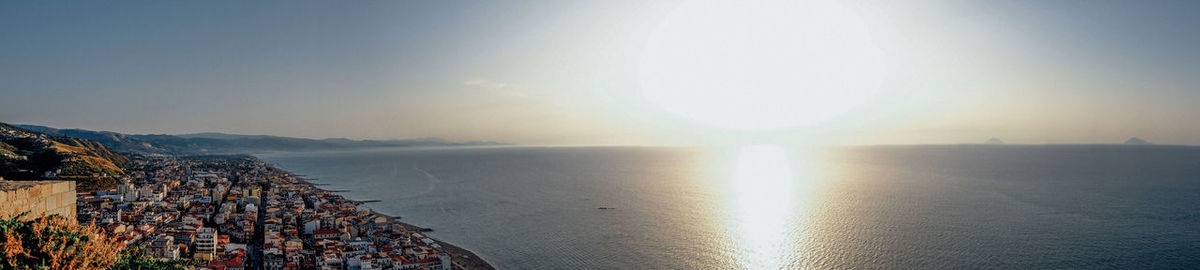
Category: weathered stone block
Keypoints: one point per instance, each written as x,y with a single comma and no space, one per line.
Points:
20,194
61,187
68,199
37,197
36,209
50,203
35,191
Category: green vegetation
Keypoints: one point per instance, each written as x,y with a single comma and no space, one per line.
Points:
29,155
7,151
135,259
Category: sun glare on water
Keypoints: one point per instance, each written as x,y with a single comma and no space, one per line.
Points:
760,65
769,204
762,199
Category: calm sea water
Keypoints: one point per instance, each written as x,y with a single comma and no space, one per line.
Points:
766,207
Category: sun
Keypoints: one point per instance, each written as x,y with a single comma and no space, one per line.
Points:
760,65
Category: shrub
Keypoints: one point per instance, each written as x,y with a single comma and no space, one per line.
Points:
54,242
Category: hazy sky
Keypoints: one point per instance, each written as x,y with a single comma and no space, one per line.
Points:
566,72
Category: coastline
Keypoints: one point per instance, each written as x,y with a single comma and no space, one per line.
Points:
461,256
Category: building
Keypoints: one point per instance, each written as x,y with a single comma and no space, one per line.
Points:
206,244
128,191
163,247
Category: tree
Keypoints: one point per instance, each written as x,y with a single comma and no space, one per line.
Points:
135,259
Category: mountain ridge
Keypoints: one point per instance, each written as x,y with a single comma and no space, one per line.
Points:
224,143
31,155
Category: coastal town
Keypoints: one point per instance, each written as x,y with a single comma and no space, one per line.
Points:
238,212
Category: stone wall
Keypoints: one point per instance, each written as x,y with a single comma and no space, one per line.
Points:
37,197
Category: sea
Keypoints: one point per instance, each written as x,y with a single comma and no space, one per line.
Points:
779,207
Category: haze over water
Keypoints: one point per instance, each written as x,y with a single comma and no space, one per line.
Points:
185,78
1024,207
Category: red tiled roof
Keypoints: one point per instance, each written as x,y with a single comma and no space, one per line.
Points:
428,260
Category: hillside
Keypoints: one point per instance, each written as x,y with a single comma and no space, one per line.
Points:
29,155
220,143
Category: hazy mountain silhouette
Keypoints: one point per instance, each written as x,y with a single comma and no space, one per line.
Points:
1136,141
993,141
221,143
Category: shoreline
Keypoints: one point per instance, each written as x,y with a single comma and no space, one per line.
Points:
461,256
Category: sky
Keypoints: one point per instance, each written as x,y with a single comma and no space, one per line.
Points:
573,72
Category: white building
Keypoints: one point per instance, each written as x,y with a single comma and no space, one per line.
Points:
127,189
206,244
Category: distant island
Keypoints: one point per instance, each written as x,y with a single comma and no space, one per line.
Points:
993,141
1137,141
221,143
